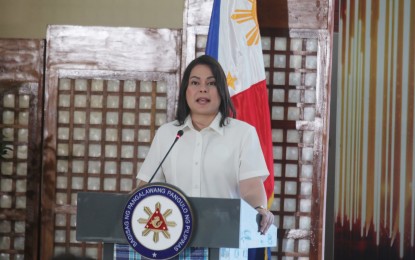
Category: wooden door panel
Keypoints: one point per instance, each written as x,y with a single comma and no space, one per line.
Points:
107,92
297,65
21,88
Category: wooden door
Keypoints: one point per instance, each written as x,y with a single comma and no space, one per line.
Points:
107,90
21,88
297,42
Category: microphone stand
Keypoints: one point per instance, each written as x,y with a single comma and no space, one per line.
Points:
179,134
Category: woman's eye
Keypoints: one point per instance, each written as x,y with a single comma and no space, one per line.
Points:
195,83
212,83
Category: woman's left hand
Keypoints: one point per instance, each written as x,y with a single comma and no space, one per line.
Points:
267,219
253,192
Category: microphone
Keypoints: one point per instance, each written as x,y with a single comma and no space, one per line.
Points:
179,134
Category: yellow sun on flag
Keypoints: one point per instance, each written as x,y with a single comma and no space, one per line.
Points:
230,80
242,16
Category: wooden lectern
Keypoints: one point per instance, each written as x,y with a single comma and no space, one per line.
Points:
219,223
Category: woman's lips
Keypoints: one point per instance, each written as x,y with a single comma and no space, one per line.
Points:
202,100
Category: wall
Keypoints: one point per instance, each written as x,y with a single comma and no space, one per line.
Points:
29,19
375,149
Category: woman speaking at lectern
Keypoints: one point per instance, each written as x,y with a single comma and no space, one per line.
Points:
218,156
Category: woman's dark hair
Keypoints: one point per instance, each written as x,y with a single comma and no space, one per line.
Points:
226,107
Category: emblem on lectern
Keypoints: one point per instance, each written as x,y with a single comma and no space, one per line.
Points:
158,221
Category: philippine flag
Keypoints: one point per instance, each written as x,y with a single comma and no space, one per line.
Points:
234,40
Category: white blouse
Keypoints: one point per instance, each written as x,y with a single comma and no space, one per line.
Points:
209,163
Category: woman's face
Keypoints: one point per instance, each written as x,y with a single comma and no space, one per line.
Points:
202,96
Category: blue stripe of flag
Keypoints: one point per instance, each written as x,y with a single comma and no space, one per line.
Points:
212,44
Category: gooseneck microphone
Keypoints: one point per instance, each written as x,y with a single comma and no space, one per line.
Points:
179,134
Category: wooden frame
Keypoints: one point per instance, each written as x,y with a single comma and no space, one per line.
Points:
106,54
21,63
306,20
